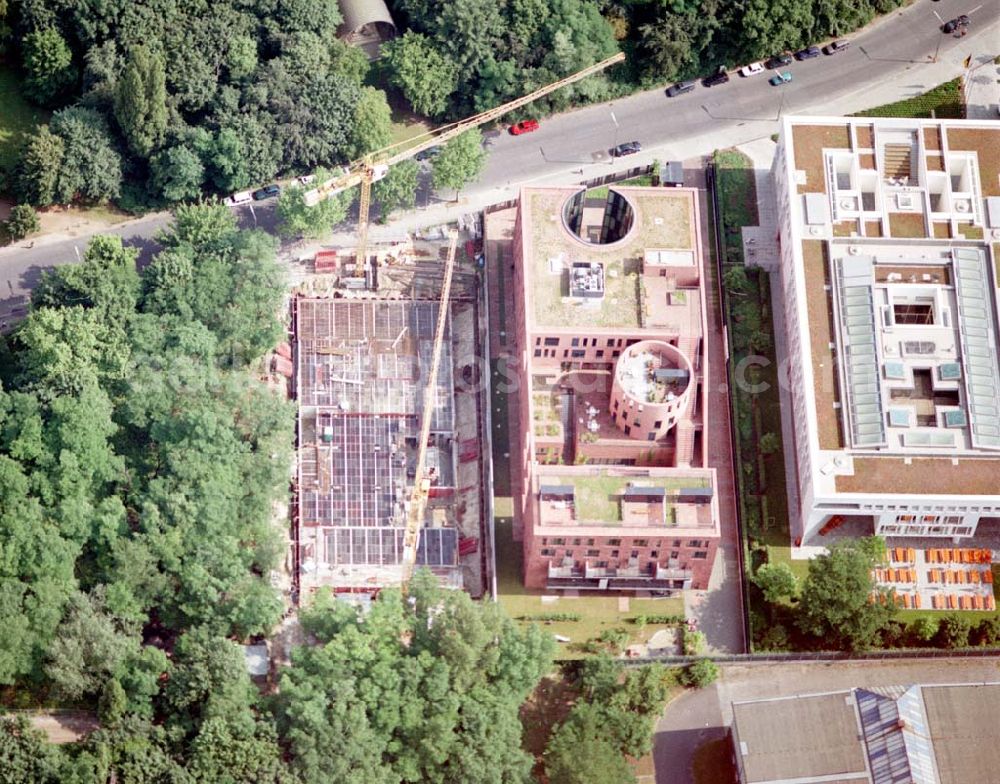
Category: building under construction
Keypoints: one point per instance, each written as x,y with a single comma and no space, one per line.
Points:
361,368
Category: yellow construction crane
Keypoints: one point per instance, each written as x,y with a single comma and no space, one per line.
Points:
374,166
421,483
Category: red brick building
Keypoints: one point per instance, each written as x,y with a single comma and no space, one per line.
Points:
615,492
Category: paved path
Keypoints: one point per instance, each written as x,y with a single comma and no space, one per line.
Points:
700,716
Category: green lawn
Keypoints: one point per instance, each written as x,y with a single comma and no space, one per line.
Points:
599,612
944,101
17,118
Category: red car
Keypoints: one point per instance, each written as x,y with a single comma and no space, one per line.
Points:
525,126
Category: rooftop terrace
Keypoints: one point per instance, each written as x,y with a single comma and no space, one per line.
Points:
597,496
663,220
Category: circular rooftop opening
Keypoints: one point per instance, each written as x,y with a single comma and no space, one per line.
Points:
653,372
598,216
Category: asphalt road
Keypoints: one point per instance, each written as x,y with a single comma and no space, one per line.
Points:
905,41
899,50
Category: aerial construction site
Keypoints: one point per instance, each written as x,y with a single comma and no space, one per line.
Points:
362,375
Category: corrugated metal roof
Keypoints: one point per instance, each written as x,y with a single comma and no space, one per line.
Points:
358,13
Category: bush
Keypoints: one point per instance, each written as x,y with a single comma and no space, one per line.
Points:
700,674
694,643
954,632
547,617
22,221
615,639
924,629
659,620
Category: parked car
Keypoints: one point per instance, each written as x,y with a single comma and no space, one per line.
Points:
525,126
306,179
625,148
778,61
836,46
266,192
780,78
808,53
719,77
753,68
427,155
955,24
242,197
680,88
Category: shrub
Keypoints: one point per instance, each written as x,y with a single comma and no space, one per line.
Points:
659,620
22,221
700,674
694,643
615,639
547,617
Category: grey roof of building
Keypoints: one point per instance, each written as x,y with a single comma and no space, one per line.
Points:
358,13
797,737
965,729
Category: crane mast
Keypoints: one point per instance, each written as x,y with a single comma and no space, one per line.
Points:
421,483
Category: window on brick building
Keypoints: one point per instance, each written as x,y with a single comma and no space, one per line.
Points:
593,553
614,542
677,542
658,424
602,564
538,352
577,541
600,353
558,541
611,342
694,543
641,542
635,554
569,553
654,554
628,430
700,554
547,551
551,341
578,353
614,553
590,542
675,554
538,341
575,342
614,354
650,436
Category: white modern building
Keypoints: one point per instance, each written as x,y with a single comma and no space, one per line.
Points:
890,240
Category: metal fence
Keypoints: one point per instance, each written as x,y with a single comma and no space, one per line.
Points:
826,656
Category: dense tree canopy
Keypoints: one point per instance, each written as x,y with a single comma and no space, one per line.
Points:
838,602
267,85
422,691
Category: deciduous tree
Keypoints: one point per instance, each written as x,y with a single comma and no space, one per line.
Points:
838,602
426,76
460,162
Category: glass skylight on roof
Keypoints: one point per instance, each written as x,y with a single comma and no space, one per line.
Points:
894,370
977,330
857,317
955,418
899,417
949,371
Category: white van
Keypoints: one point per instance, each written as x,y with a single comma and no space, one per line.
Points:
243,197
